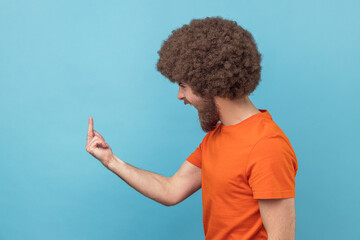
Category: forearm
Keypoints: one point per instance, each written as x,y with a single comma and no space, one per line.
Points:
151,185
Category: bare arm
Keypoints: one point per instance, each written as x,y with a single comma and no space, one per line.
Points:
185,182
278,216
165,190
151,185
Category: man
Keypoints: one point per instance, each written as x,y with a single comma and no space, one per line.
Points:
245,164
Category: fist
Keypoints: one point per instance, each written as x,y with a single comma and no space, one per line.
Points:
97,146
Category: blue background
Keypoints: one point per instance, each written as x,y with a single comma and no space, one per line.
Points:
63,61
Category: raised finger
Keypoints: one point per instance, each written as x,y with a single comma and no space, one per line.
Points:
90,129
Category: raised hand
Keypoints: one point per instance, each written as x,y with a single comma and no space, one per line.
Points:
97,146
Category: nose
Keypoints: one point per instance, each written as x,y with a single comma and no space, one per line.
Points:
180,94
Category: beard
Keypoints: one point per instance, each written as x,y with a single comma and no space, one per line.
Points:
208,114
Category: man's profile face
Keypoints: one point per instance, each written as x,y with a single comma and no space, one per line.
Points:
207,109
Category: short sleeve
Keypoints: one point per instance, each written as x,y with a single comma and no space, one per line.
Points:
195,157
271,169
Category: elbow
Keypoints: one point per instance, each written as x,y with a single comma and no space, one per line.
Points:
171,202
171,199
168,204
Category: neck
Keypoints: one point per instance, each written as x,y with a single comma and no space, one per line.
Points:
235,111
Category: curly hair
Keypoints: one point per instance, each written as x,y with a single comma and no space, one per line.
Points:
214,56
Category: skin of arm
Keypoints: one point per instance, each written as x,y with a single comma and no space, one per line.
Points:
165,190
168,191
278,216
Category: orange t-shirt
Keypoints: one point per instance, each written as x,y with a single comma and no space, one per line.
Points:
239,164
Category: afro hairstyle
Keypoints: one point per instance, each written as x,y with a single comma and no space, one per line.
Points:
214,56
